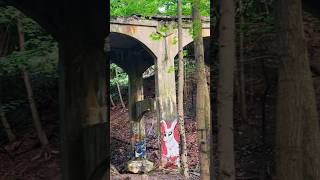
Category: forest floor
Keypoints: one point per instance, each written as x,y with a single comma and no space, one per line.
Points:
16,160
249,150
120,145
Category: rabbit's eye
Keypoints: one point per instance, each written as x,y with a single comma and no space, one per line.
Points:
165,135
170,133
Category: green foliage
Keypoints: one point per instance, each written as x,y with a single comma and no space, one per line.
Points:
40,57
161,33
171,69
185,53
134,7
196,28
155,7
121,78
174,40
12,105
41,52
8,15
190,66
155,36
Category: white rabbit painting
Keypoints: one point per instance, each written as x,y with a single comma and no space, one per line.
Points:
170,138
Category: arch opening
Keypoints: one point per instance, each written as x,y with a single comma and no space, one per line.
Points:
137,130
128,52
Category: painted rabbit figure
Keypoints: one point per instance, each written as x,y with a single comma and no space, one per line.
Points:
170,142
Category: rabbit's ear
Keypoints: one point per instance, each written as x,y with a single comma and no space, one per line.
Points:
173,125
164,123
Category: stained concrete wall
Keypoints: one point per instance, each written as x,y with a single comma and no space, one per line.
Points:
163,51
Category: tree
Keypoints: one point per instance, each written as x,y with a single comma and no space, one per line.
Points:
111,100
225,92
203,100
119,91
184,157
154,7
120,78
297,135
35,115
241,77
4,120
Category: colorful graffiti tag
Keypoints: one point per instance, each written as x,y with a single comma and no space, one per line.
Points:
137,140
170,145
140,149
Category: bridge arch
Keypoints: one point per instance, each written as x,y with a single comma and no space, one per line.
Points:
189,46
188,40
139,32
129,52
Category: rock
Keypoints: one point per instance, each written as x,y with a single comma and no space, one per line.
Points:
113,170
139,166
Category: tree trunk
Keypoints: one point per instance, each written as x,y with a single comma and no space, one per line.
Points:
4,121
35,115
227,61
297,138
111,100
242,82
119,91
202,100
183,144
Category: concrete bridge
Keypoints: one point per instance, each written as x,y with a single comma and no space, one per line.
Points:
133,49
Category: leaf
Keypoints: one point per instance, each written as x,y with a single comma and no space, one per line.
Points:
156,36
174,40
171,69
185,53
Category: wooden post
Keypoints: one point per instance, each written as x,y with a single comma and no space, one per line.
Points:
82,70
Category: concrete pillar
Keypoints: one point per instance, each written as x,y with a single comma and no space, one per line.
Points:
137,124
167,112
82,71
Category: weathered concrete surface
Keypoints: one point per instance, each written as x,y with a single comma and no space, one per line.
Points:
135,51
84,137
141,29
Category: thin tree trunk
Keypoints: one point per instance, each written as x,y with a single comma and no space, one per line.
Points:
6,126
227,61
111,100
119,91
4,42
35,115
184,157
4,121
298,134
203,100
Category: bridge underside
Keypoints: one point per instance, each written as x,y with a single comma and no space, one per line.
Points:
135,53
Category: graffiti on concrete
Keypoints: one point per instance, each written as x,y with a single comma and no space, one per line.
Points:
170,144
137,140
140,149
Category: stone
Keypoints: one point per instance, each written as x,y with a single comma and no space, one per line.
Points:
139,166
113,170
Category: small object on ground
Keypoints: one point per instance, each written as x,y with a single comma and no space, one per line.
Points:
113,170
45,152
139,166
